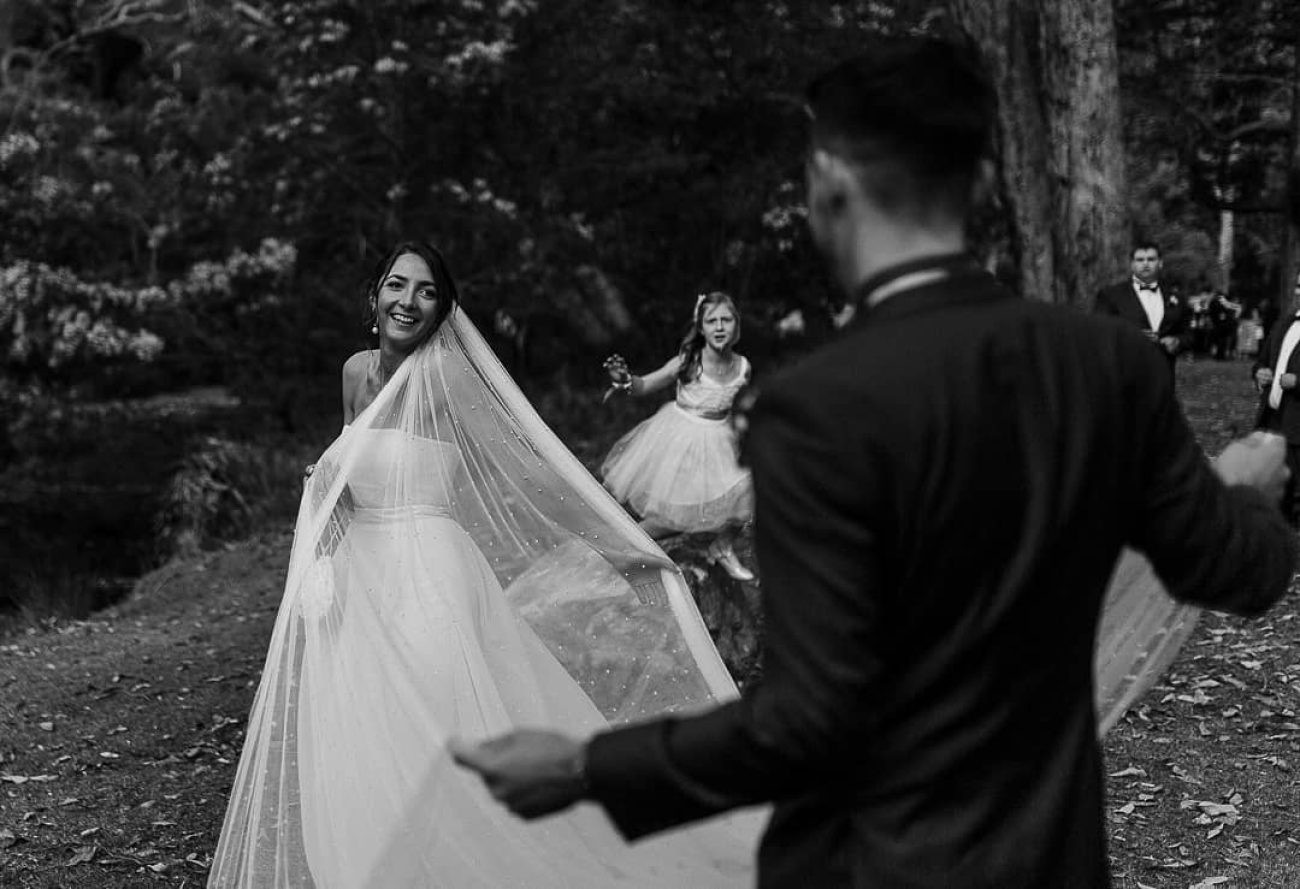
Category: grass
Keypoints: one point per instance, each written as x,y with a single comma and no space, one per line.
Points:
119,734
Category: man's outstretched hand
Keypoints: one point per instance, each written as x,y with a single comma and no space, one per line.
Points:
534,773
1258,460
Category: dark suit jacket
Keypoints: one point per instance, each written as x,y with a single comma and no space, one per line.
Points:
941,497
1285,419
1120,301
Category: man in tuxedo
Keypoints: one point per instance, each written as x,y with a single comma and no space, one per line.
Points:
941,496
1277,377
1157,311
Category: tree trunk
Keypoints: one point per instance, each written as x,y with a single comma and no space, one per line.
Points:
1227,231
1288,264
1056,69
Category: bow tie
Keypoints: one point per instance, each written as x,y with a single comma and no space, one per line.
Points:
1148,288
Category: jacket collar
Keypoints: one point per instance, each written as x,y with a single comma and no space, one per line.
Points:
962,281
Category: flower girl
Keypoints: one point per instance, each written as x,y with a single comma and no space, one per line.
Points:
678,470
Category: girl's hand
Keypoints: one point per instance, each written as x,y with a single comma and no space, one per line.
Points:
616,367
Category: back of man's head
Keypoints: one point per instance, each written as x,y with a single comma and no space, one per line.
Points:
915,115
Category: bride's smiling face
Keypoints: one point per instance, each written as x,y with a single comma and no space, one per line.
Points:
406,304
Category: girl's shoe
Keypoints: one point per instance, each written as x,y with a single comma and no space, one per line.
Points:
724,555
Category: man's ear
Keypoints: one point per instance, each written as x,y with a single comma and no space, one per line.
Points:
830,182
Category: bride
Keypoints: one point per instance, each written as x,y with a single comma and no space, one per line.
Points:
456,571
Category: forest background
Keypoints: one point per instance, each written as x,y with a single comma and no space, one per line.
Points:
192,193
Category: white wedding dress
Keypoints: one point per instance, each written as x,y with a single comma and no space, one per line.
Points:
457,573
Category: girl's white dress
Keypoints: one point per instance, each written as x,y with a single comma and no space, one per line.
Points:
680,467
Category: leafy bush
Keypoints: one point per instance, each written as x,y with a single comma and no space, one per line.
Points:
224,490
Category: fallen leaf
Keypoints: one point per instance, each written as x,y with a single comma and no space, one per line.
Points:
83,854
1132,771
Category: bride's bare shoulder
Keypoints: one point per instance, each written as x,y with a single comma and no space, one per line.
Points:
355,368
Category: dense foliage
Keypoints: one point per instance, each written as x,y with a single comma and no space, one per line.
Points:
201,185
1209,88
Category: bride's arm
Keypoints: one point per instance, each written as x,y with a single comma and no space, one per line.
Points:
340,512
354,372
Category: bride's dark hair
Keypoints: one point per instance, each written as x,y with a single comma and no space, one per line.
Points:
443,284
693,343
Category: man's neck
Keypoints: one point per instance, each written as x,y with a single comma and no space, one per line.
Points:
886,248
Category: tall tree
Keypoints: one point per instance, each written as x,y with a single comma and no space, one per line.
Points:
1056,68
1207,86
1291,242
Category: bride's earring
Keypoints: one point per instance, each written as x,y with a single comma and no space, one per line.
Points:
374,323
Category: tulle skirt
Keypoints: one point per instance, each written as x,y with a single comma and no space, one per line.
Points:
431,648
681,472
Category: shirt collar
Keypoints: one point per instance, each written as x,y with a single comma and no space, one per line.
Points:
963,281
947,264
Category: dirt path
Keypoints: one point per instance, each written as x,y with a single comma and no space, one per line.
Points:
118,736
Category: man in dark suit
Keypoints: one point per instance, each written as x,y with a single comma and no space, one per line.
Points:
1157,311
1277,376
941,495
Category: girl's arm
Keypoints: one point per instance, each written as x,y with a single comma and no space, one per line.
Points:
622,380
656,380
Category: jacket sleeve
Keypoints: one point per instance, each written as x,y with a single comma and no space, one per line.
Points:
822,585
1223,547
1182,327
1103,304
1268,349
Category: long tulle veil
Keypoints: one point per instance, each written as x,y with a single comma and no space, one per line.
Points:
462,448
460,444
1141,631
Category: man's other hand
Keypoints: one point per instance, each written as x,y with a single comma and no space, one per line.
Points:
1258,460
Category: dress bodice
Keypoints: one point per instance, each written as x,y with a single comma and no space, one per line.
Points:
396,469
706,397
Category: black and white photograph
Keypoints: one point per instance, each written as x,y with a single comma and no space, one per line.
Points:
649,444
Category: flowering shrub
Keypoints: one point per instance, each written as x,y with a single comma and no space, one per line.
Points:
51,320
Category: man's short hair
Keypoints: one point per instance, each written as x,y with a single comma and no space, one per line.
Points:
1144,245
922,107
